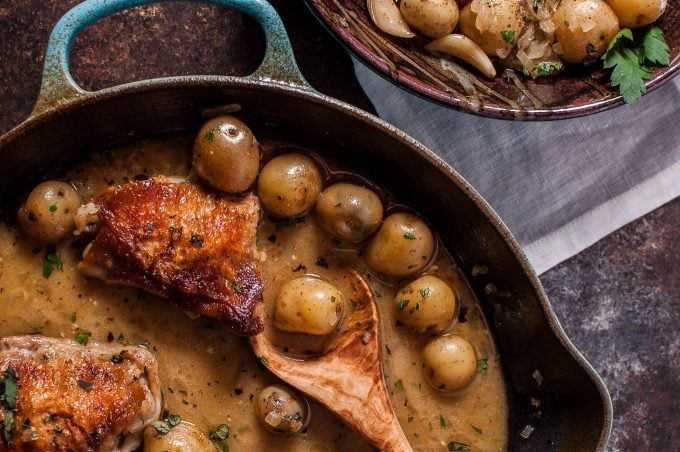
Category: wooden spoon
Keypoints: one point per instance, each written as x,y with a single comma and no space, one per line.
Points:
348,379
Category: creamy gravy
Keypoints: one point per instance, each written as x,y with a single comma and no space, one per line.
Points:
209,375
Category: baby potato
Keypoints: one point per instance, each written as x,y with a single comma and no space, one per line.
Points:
183,437
48,214
349,212
226,154
426,305
308,305
637,13
450,363
402,246
281,410
584,28
289,185
433,18
494,26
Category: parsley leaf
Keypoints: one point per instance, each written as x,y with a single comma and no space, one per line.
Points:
409,236
161,427
50,262
453,445
9,419
399,384
402,304
508,36
83,337
219,433
11,389
483,365
655,48
631,65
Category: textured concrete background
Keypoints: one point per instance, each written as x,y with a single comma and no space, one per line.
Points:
619,301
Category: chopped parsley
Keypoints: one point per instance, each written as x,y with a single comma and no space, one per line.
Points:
219,435
402,304
483,365
9,393
632,64
26,424
263,359
410,418
399,384
50,261
548,68
196,241
425,293
508,36
7,431
442,421
163,426
74,316
333,298
237,288
53,208
83,337
453,445
409,236
210,134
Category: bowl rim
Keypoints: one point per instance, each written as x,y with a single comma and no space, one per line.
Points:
425,91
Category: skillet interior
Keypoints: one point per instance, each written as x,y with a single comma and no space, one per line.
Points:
575,407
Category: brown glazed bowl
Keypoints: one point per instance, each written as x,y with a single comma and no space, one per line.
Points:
578,91
539,360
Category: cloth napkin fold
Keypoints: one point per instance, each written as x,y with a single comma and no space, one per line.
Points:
559,186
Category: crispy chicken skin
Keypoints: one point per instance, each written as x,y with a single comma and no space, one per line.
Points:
75,397
183,242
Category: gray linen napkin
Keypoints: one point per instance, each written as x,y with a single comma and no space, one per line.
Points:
559,186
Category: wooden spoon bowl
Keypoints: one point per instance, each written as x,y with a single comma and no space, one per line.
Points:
348,379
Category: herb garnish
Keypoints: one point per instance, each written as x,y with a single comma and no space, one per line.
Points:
425,293
399,384
402,304
632,64
483,365
263,359
9,419
210,134
83,337
219,435
53,208
453,445
50,262
196,241
442,421
74,316
508,36
237,288
163,426
409,236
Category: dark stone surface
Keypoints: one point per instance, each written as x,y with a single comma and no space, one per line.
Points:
619,301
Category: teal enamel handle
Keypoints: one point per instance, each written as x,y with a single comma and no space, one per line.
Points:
58,86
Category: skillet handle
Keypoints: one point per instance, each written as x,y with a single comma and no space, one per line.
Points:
58,87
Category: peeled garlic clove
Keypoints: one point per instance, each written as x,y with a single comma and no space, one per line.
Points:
462,47
386,16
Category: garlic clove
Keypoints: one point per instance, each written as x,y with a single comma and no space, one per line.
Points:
464,48
386,16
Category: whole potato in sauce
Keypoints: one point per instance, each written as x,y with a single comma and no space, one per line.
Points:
308,305
403,246
584,28
289,185
349,212
426,305
183,437
281,410
450,363
48,214
226,154
433,18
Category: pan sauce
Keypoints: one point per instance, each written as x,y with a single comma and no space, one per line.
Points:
210,375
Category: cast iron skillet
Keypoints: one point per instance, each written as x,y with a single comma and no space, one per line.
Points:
68,122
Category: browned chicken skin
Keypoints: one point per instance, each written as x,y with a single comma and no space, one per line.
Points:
75,397
181,241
